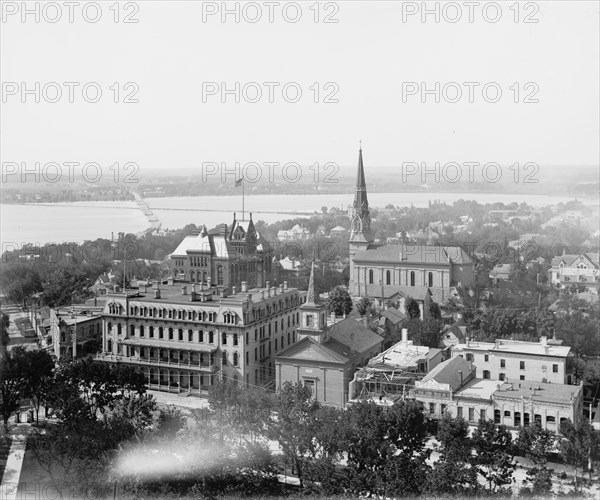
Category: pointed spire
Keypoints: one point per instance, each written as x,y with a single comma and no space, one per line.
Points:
361,219
312,297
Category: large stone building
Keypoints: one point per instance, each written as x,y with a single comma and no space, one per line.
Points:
75,331
517,360
452,389
225,257
326,357
184,335
382,271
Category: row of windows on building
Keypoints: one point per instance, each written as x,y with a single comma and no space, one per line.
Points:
486,358
205,316
264,331
81,331
388,278
473,414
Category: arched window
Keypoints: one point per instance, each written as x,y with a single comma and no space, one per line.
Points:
132,330
486,374
388,277
430,279
160,332
119,329
370,276
192,276
141,330
109,327
235,339
151,332
219,274
235,359
224,358
109,346
412,278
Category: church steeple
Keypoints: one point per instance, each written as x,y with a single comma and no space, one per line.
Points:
360,219
313,313
312,297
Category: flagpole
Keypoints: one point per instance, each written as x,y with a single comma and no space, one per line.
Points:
243,206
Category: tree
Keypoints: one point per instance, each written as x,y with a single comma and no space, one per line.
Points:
412,309
363,306
12,383
535,443
339,301
38,373
580,445
293,425
386,449
494,462
453,473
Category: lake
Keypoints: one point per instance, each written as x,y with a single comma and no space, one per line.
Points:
80,221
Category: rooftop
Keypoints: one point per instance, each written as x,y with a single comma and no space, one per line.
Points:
538,391
173,294
413,253
479,388
452,372
403,356
516,347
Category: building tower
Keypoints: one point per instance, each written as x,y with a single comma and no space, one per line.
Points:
360,222
313,313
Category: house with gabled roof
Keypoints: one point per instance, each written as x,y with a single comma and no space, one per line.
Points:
325,357
575,269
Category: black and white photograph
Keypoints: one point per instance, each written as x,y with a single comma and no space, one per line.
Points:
299,250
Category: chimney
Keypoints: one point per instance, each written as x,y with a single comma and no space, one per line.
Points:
157,293
170,281
117,288
184,290
274,291
223,292
208,281
244,286
233,290
285,285
544,341
461,377
249,298
193,294
405,336
262,295
280,288
267,285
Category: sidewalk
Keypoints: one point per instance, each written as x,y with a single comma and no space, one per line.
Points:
12,471
180,400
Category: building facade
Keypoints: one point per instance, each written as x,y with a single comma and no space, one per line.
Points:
75,331
325,357
183,336
225,257
516,360
582,269
452,389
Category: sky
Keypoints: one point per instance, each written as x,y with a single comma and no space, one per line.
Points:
371,66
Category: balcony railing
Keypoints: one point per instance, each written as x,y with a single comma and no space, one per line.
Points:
157,362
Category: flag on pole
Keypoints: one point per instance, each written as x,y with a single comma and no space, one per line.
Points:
238,183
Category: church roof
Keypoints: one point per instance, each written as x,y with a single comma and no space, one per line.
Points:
344,340
415,254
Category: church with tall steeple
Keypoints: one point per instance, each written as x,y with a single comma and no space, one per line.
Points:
391,273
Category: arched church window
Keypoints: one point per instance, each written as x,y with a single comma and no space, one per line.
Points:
370,276
412,278
430,279
388,277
